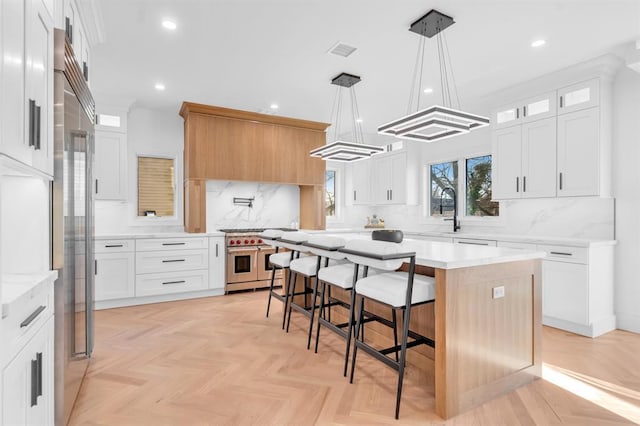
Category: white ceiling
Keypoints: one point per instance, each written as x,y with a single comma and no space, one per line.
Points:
247,54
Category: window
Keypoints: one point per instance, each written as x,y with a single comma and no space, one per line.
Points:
473,193
478,190
156,189
330,193
443,175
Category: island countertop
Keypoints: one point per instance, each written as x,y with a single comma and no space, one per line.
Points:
453,256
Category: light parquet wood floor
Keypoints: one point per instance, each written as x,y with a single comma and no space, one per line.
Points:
219,361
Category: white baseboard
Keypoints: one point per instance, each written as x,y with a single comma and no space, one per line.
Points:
594,329
132,301
628,322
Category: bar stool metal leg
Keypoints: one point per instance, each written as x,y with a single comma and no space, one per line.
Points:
273,275
357,331
322,314
287,306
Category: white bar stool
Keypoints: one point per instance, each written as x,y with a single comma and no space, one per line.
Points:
398,290
278,260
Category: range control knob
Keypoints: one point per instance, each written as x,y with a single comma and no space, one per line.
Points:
238,241
231,242
253,241
246,241
259,241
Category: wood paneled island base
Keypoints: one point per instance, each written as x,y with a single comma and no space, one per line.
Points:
485,346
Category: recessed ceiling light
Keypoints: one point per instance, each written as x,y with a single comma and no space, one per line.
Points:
538,43
358,120
168,24
428,90
273,106
159,86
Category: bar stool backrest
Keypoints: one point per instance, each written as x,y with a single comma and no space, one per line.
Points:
376,248
326,241
296,237
270,237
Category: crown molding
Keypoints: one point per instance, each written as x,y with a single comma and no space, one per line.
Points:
92,19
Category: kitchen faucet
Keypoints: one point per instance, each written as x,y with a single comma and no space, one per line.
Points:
456,226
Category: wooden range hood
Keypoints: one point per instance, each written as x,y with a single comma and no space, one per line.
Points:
228,144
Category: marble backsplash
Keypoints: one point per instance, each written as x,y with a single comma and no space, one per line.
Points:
576,217
275,205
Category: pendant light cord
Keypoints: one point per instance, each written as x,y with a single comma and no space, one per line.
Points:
453,77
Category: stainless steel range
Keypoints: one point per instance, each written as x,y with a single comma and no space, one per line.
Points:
248,260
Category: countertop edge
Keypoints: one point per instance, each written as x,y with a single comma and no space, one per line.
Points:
26,283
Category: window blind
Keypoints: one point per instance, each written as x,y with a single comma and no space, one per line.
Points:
155,186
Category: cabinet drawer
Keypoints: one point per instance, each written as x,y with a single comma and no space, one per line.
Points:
114,246
472,242
22,323
165,244
171,282
517,245
565,253
169,261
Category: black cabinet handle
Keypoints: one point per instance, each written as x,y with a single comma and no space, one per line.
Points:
517,183
113,245
561,101
39,362
561,253
560,180
354,195
524,111
34,382
38,128
32,122
524,184
85,70
174,282
472,243
173,260
96,186
517,113
95,266
391,194
28,320
173,244
216,249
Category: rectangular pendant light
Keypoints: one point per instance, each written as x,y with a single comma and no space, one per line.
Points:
346,151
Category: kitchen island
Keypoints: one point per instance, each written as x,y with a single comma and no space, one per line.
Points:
488,320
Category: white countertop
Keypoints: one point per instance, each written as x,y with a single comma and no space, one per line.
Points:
452,256
158,235
565,241
16,287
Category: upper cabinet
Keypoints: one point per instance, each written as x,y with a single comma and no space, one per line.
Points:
361,181
76,32
111,165
556,144
26,83
389,177
524,111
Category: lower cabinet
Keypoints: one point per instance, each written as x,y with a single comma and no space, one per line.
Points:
565,291
217,256
27,382
115,275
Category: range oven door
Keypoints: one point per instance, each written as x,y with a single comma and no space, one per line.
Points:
242,264
264,268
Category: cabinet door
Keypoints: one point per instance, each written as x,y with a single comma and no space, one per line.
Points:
16,390
565,291
398,189
506,162
578,153
12,74
111,165
506,116
361,182
579,96
39,83
115,276
381,177
539,107
539,158
217,254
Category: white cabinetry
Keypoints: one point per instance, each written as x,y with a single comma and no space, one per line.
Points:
524,160
524,111
217,275
115,269
26,83
578,153
577,289
361,181
389,178
76,33
579,96
111,165
27,382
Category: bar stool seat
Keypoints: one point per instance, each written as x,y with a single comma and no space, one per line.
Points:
391,288
306,265
341,275
281,260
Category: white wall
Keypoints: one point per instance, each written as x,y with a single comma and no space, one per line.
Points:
626,184
149,132
274,205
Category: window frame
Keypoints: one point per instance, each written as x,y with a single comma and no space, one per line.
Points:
461,193
177,218
337,186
